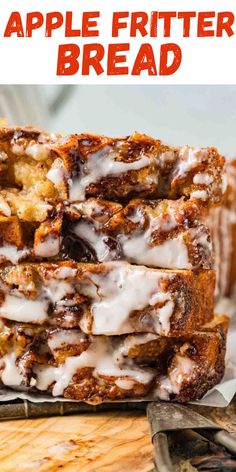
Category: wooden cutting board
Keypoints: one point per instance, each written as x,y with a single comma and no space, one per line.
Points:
117,441
107,442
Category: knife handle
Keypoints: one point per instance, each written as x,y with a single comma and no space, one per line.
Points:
161,453
226,439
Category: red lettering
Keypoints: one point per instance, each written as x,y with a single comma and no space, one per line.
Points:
153,26
114,58
14,25
203,24
87,23
93,60
145,60
138,22
34,21
224,23
167,16
186,17
54,20
67,63
69,31
166,69
117,24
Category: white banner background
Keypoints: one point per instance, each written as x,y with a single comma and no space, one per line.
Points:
33,60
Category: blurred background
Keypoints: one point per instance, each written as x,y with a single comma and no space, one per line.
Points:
196,115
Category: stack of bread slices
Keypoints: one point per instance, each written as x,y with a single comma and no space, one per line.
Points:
106,275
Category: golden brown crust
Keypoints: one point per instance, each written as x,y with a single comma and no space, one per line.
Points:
166,174
26,157
11,231
230,204
149,232
86,165
32,241
209,355
77,345
222,224
182,369
184,299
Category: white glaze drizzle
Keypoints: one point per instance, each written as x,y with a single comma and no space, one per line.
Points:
50,247
190,157
134,340
101,357
65,272
10,375
203,178
65,337
99,165
114,296
199,194
38,152
124,384
87,232
171,254
24,310
56,290
172,383
10,252
57,172
119,293
162,322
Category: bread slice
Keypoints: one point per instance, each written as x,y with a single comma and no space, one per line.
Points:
25,159
122,168
31,240
222,224
111,298
76,366
39,169
157,233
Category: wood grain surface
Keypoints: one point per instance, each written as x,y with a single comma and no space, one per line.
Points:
108,442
